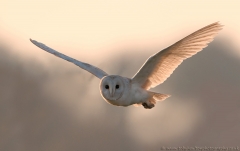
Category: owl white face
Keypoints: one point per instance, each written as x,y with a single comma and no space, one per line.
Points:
112,88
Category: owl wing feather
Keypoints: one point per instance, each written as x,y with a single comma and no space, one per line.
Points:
161,65
92,69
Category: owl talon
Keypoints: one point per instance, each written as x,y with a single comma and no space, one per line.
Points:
147,106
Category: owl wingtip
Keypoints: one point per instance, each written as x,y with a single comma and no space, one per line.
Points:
218,23
31,39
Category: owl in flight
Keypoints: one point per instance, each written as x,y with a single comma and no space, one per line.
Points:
123,91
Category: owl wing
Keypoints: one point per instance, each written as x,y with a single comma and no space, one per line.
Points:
161,65
94,70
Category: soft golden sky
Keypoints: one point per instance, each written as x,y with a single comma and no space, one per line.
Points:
90,31
111,25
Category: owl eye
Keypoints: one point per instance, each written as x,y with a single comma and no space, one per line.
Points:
107,86
117,86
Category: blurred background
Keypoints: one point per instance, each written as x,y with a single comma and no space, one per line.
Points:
49,104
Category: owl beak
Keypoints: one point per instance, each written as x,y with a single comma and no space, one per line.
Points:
112,91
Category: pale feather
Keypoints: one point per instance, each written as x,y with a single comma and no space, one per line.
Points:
90,68
161,65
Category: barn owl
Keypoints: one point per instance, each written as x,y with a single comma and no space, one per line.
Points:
123,91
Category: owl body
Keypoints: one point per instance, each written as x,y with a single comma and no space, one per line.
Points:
120,91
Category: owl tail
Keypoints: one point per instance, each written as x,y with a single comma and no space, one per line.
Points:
159,96
150,103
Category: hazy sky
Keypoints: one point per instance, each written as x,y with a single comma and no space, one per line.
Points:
110,25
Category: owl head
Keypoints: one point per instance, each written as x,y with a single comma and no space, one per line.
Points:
112,88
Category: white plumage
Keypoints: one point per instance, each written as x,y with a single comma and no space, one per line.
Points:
122,91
